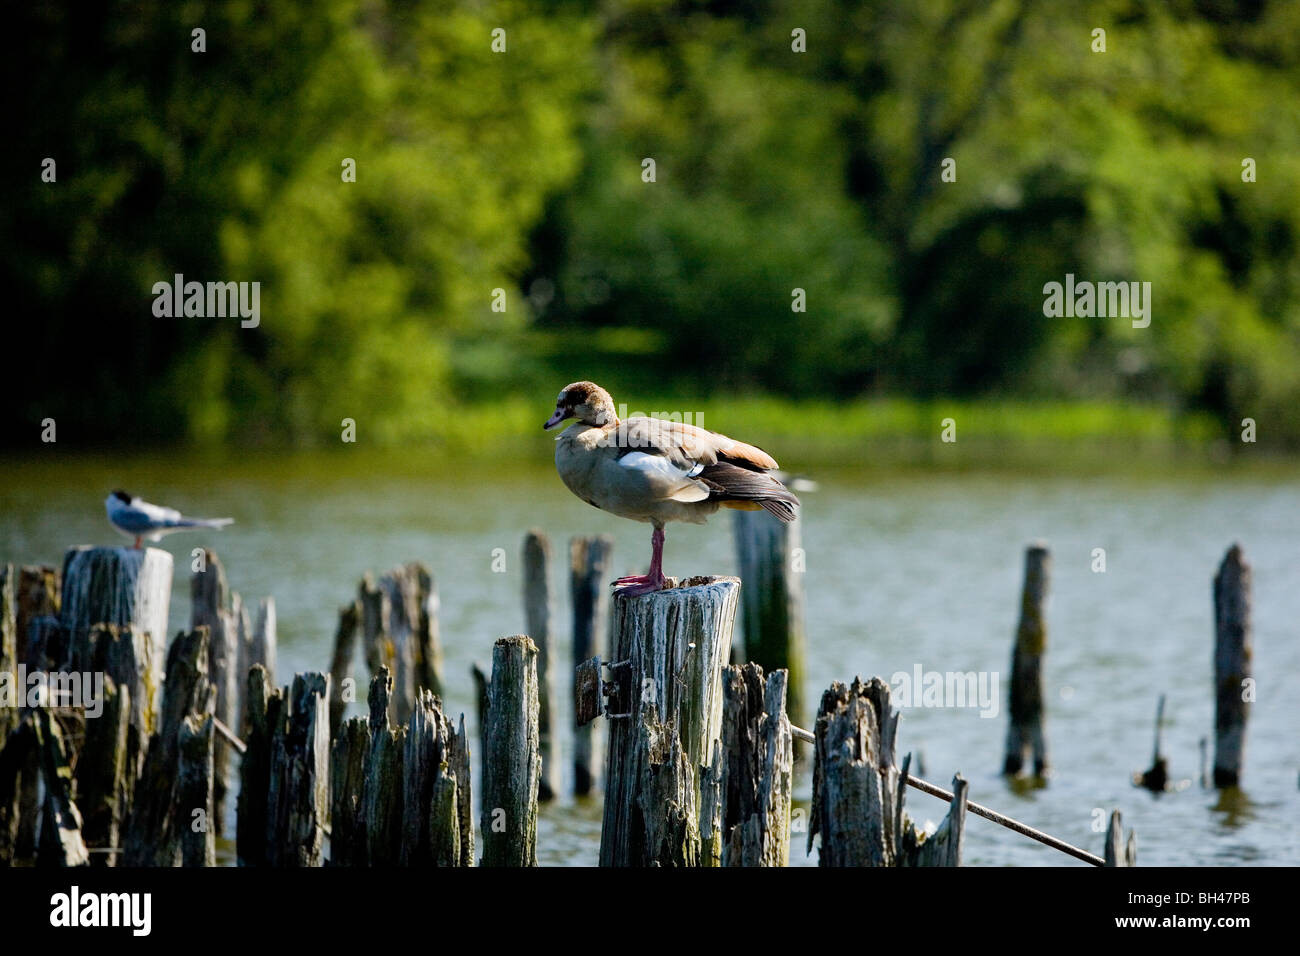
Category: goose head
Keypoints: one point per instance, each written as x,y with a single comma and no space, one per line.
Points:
585,402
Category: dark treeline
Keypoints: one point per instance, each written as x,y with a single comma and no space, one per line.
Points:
797,144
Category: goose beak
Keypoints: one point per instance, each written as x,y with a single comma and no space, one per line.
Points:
559,416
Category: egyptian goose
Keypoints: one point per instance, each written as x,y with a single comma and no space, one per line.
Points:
650,469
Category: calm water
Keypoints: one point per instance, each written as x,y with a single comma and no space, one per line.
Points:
902,570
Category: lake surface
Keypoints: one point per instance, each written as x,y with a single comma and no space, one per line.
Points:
904,569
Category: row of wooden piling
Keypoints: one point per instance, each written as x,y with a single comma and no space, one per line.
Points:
697,769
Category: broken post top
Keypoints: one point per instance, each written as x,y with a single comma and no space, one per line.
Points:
677,588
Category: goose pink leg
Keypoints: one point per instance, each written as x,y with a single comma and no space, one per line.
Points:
636,584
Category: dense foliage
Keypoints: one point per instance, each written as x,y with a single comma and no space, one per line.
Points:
522,171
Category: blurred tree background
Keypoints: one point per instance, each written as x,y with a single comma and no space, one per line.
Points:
522,170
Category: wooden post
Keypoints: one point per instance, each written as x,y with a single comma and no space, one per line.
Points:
194,791
349,757
399,620
264,645
381,799
61,842
537,616
770,558
129,588
1157,778
1118,853
298,799
665,718
858,790
9,651
1025,733
106,772
151,832
345,641
264,705
1233,650
511,756
754,774
210,607
435,785
589,560
17,753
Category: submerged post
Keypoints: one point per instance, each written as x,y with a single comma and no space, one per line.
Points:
769,556
1233,650
538,619
1025,736
589,560
511,756
665,718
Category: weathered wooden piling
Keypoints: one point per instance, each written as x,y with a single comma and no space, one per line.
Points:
106,768
589,561
381,798
128,588
750,780
665,714
152,838
9,650
61,842
1117,852
264,710
1156,778
341,679
399,622
194,791
511,756
1233,651
769,554
538,625
297,806
17,753
349,757
211,607
437,827
1025,733
858,789
264,646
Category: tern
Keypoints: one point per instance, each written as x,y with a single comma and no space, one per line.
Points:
139,519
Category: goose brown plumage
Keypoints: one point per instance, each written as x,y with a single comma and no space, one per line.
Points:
655,470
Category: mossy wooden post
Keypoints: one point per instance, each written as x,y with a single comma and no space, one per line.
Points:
665,718
194,791
1233,650
264,713
341,679
437,828
61,842
210,607
538,625
1117,851
349,757
589,561
128,588
381,798
399,623
753,773
769,555
1025,734
511,756
297,804
152,838
9,651
106,772
858,789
